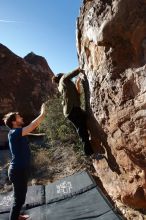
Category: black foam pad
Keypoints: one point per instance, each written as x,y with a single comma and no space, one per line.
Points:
87,205
69,186
35,196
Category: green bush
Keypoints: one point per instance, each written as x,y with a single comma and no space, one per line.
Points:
55,125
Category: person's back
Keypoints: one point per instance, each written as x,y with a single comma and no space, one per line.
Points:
70,95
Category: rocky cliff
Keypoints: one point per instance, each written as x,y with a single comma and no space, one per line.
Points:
24,83
111,42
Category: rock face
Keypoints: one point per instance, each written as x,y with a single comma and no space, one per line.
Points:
111,42
24,83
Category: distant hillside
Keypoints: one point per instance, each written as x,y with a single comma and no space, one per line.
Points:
24,83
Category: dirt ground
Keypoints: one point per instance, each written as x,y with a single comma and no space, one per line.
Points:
56,163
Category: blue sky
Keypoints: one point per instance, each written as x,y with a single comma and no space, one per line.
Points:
45,27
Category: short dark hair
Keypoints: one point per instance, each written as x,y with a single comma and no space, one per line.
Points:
57,77
9,118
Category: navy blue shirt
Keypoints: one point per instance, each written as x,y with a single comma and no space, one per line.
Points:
19,148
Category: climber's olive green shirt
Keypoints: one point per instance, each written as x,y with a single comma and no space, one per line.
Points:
70,95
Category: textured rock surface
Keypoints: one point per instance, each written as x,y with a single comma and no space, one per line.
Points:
24,83
111,41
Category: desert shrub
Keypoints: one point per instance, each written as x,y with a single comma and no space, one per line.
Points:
55,125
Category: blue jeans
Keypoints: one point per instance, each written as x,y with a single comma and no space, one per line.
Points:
79,119
19,178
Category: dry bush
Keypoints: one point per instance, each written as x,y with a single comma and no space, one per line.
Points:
56,162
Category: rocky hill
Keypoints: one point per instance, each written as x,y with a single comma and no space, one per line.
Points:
111,41
24,83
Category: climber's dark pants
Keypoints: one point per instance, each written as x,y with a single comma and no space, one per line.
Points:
19,178
78,117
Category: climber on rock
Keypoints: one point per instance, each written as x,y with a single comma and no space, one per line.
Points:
72,107
18,171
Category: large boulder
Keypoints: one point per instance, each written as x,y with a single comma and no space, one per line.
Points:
111,42
24,83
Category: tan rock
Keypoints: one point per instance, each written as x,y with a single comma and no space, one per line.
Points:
111,39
